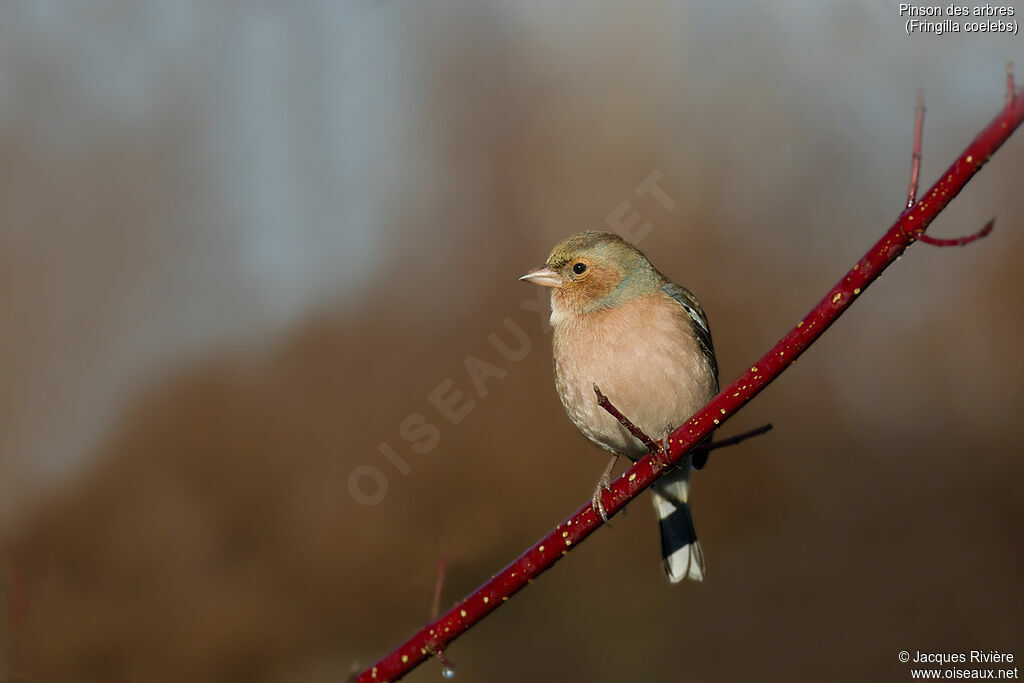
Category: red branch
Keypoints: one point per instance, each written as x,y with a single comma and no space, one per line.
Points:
567,535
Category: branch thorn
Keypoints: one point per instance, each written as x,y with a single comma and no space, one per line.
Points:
447,668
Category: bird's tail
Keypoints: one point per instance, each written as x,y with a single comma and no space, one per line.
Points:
680,549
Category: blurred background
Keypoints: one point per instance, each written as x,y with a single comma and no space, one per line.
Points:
242,245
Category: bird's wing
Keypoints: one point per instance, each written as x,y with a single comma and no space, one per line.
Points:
688,301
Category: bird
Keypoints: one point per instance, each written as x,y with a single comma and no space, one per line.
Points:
621,325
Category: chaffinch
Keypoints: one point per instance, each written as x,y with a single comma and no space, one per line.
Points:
622,325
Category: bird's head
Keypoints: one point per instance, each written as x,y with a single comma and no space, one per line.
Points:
594,270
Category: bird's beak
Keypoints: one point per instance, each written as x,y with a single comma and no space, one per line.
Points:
543,276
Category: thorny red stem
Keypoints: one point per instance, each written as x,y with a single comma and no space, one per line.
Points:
568,534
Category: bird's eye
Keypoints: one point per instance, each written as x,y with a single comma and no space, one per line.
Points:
579,268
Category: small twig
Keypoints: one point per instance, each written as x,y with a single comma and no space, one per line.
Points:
732,440
1011,87
702,450
647,441
435,605
447,668
915,159
958,241
915,169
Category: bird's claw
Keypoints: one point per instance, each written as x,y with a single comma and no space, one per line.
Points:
603,484
661,455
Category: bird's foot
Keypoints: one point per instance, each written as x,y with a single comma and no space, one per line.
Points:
603,484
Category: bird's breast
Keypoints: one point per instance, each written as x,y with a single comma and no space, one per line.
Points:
644,357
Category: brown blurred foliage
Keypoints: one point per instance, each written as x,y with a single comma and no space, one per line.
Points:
206,530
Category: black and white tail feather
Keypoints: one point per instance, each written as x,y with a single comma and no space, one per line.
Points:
680,550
